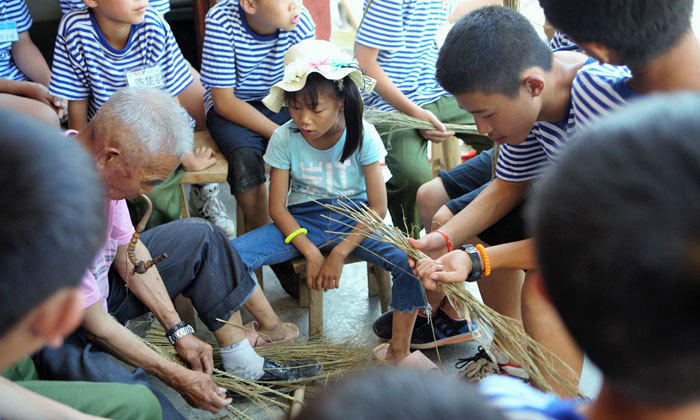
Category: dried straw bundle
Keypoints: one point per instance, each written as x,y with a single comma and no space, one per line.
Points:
390,122
513,4
540,363
338,359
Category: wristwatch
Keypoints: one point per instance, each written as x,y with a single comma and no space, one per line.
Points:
473,253
178,331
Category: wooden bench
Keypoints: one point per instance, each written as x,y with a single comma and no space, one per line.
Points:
378,283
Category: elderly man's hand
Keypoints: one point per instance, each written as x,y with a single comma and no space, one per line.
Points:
196,352
450,268
199,390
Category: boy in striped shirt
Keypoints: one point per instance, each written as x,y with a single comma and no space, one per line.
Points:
396,45
24,74
110,45
520,95
242,58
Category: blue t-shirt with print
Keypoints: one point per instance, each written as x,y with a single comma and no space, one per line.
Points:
319,174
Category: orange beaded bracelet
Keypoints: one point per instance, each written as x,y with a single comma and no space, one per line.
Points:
484,259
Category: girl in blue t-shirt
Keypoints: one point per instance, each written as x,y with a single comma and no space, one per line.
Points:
326,151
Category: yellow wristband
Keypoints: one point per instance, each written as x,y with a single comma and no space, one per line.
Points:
294,234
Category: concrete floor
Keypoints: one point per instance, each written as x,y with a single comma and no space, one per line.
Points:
348,311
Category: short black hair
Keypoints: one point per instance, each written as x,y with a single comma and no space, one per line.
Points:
637,30
52,219
487,50
399,394
617,231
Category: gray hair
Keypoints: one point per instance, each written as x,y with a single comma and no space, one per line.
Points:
152,117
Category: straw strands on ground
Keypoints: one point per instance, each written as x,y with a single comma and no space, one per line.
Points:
390,122
542,365
338,359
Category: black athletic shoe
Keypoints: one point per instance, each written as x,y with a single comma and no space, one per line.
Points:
382,326
291,371
447,331
289,280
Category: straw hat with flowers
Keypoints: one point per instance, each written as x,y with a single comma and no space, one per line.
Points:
315,56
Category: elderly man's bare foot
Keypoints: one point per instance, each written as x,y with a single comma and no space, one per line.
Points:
198,160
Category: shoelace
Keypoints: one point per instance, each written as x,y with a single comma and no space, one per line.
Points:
477,366
213,208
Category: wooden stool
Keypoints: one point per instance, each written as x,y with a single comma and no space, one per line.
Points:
378,283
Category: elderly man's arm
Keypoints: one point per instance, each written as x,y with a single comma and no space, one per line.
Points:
196,388
151,291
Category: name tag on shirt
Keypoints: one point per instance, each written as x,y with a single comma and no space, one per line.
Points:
146,77
8,31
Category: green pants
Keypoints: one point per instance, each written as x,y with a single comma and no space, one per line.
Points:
407,160
111,400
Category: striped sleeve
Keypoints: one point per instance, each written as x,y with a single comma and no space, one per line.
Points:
68,78
522,162
306,28
17,11
218,54
175,69
382,27
599,89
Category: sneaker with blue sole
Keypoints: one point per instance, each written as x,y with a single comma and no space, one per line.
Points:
447,331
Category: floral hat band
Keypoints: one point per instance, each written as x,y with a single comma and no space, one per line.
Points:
315,56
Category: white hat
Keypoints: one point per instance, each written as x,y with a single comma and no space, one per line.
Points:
315,56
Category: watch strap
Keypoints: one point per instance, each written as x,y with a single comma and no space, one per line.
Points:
476,272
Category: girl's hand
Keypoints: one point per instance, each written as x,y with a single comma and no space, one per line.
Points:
329,275
313,266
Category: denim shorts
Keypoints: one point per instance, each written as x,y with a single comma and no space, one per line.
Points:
242,147
265,246
465,182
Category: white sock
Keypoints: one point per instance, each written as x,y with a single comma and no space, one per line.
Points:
241,360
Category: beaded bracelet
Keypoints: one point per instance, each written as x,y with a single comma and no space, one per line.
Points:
448,243
294,234
486,263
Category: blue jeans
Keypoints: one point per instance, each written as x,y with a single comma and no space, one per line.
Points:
265,246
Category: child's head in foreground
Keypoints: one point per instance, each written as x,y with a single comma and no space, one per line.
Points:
617,226
52,217
494,63
321,87
399,394
634,31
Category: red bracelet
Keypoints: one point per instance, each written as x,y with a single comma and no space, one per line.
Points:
447,239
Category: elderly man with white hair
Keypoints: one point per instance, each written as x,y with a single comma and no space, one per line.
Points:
136,140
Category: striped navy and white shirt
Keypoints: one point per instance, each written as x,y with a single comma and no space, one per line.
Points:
519,401
236,57
561,40
404,32
599,89
596,90
12,11
162,6
86,66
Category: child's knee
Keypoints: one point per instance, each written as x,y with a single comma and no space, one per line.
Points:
442,216
429,192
